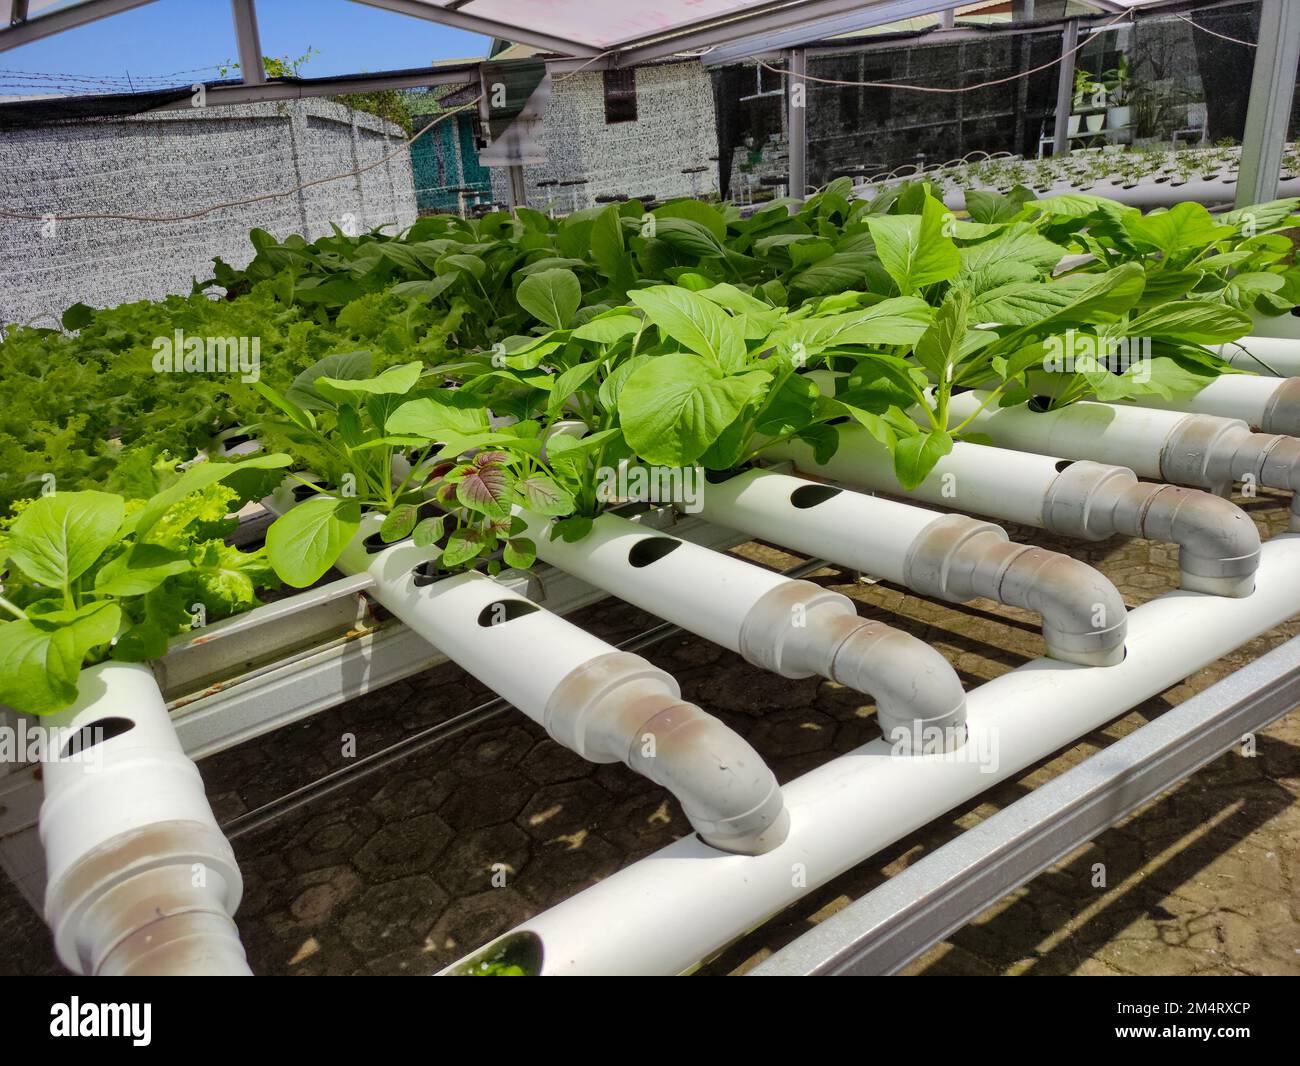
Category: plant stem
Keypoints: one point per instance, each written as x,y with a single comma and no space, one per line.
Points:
17,611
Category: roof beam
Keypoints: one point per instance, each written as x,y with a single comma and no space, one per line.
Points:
249,42
462,21
836,21
744,23
66,18
300,88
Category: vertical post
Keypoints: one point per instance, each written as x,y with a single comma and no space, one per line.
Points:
1065,88
947,18
518,190
249,42
797,97
1272,87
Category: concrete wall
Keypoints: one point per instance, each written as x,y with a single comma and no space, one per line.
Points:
172,163
675,128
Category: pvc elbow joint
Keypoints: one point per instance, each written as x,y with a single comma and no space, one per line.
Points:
1084,619
1219,547
1218,452
620,708
800,629
1282,415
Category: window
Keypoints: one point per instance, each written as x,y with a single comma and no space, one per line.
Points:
620,95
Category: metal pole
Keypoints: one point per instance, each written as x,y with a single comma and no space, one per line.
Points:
249,42
1272,87
518,191
947,19
1065,88
797,95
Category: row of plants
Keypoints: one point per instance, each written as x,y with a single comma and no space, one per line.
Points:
448,376
1100,168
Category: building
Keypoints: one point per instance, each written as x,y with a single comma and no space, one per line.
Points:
446,158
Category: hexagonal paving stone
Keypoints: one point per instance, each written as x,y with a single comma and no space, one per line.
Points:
331,837
393,916
751,691
486,800
647,822
472,921
492,751
794,732
562,867
549,763
402,848
322,893
565,809
412,791
467,866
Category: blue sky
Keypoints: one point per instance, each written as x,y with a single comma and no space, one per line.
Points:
176,35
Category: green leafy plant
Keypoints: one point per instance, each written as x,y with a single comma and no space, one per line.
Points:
92,574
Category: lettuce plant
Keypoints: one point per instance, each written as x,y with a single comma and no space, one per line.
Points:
93,575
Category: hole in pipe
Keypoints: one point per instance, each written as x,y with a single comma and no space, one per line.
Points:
494,614
427,573
651,550
95,733
811,495
717,477
375,543
1040,404
1063,465
303,492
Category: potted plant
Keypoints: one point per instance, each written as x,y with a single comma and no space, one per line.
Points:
1118,86
1088,93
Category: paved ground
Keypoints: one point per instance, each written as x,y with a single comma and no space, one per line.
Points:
393,874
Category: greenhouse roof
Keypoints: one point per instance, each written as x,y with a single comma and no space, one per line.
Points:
578,28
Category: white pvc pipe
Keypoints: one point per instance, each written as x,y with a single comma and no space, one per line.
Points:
662,915
1271,356
541,649
863,532
1286,326
793,628
606,705
1147,193
951,557
140,879
1266,404
1126,436
1229,396
1219,545
706,592
974,478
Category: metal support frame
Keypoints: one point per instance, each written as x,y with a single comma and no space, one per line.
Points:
518,189
249,42
302,88
28,29
888,928
797,100
1272,87
807,28
1065,88
489,27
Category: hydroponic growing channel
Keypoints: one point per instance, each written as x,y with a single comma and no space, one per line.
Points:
337,461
